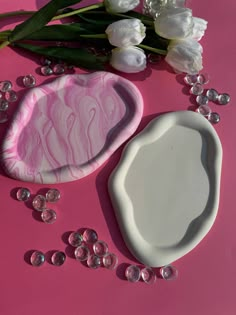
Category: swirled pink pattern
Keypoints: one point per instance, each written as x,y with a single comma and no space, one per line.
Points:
66,129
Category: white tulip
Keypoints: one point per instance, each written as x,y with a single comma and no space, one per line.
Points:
128,59
120,6
127,32
174,23
199,27
185,56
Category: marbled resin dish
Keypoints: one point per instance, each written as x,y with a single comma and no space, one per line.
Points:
165,189
64,130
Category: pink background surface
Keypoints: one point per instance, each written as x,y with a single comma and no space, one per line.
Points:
206,283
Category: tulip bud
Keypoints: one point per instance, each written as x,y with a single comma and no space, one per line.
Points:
185,56
127,32
174,23
128,59
120,6
199,27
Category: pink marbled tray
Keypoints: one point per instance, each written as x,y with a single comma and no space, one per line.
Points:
66,129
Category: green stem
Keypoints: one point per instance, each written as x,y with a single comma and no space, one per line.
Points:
88,8
155,50
94,36
16,13
4,44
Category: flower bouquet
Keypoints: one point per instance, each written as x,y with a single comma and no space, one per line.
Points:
111,32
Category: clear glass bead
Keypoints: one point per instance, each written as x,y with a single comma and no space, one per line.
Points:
148,275
5,86
39,203
223,99
23,194
11,96
29,81
191,79
82,253
3,117
53,195
48,216
214,118
37,258
153,7
132,273
202,99
169,272
212,95
197,89
100,248
4,105
58,258
90,236
59,69
110,261
94,261
45,61
204,110
203,78
46,70
75,239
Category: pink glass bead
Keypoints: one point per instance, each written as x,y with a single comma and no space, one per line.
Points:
37,258
39,203
11,96
90,236
75,239
100,248
203,78
148,275
110,261
169,272
132,273
53,195
204,110
23,194
94,261
191,79
3,105
58,258
82,253
5,86
29,81
197,89
48,216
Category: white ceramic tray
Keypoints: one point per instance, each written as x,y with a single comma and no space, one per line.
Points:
165,189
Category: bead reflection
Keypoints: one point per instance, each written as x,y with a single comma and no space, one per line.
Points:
94,261
75,239
110,261
100,248
132,273
48,216
58,258
169,272
148,275
37,258
82,253
23,194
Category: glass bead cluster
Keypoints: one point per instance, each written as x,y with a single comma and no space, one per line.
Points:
7,95
48,67
203,96
91,250
39,202
134,273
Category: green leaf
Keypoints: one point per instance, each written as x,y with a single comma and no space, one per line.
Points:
39,19
98,18
66,32
74,56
